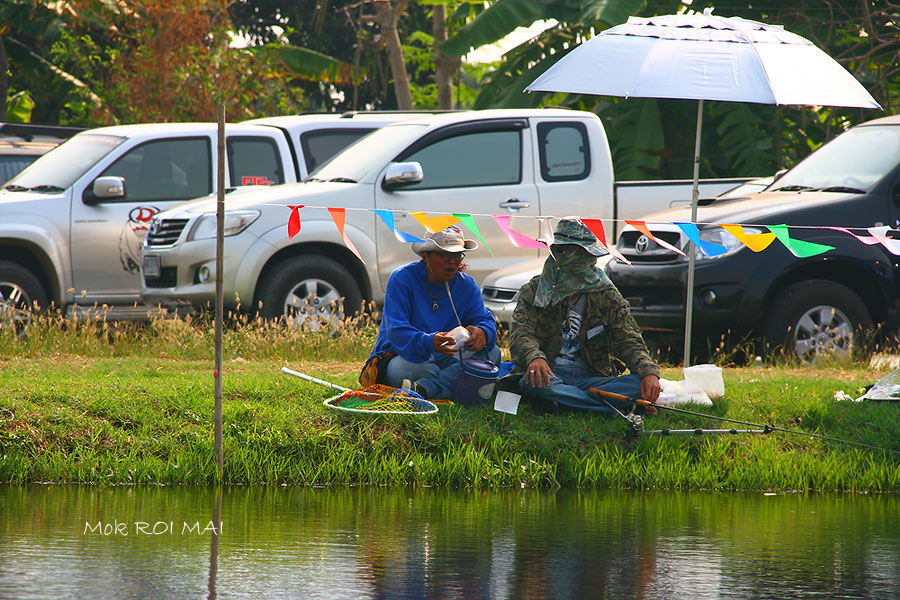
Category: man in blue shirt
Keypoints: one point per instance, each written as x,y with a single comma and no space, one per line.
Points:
426,300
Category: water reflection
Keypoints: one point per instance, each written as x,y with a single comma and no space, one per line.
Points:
80,542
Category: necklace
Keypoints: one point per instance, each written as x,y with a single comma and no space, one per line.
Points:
433,297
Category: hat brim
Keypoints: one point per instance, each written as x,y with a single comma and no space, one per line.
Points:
594,249
430,245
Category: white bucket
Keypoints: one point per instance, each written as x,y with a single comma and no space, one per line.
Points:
708,378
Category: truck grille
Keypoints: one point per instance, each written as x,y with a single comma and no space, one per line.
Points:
499,294
167,278
638,248
165,232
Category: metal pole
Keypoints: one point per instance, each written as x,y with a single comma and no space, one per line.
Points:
220,304
695,198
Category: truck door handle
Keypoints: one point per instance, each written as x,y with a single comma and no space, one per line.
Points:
515,204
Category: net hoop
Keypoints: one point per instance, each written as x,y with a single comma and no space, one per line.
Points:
410,404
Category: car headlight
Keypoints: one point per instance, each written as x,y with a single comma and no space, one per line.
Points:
717,235
235,222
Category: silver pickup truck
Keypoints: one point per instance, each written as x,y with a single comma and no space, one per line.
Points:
513,163
73,222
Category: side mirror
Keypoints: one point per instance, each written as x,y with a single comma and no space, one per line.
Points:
401,174
779,173
105,188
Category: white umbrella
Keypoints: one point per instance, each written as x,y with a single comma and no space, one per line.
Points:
704,57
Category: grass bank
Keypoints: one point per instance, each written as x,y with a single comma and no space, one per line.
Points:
133,404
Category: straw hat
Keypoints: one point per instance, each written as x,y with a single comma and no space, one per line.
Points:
449,240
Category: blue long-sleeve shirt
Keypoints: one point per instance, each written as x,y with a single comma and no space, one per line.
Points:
409,322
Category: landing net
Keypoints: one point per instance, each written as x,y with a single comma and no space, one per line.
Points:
382,399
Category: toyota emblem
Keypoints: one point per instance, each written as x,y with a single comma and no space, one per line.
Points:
642,244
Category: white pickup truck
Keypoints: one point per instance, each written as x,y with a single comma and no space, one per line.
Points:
73,222
513,163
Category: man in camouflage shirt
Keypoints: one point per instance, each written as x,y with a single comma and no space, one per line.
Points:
569,325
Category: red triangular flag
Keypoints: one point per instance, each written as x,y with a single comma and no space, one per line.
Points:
596,227
294,220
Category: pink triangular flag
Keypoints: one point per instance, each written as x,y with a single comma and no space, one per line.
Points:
519,240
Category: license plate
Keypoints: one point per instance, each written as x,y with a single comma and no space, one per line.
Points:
151,267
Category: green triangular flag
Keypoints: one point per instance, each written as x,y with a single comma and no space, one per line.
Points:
469,222
798,248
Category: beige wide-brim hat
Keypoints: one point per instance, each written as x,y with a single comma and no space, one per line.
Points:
449,240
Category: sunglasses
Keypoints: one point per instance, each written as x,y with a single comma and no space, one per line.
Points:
450,256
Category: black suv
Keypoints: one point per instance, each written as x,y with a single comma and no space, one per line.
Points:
809,306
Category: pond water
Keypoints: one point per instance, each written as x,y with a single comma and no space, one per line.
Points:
60,541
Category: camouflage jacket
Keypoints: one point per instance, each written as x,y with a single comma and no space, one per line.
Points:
607,331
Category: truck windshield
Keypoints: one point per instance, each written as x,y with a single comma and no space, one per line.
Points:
855,160
63,165
368,153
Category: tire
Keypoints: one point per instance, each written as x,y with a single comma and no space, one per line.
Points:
816,318
20,294
309,291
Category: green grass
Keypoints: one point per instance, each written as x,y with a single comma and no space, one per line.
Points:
133,404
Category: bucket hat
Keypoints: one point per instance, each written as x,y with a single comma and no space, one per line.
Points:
570,230
449,240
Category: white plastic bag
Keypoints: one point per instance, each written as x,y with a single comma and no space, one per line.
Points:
682,392
708,378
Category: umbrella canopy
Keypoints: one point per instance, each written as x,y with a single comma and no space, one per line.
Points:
704,57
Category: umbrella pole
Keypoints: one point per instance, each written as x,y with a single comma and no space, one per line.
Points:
695,198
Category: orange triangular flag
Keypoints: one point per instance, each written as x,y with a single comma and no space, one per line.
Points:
340,215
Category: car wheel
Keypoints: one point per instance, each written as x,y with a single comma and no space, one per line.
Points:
20,294
309,291
814,319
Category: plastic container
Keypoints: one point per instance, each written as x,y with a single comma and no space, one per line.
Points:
475,382
708,378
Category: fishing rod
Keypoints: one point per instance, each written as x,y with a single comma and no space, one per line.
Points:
761,428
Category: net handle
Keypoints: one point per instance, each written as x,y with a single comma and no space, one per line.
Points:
313,379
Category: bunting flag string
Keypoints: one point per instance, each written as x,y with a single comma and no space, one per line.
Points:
642,227
388,218
340,215
519,240
708,248
294,220
756,242
798,248
596,227
880,233
868,240
469,221
434,224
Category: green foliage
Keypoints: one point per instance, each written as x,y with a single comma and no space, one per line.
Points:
637,138
19,107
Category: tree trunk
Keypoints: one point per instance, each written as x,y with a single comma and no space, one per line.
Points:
387,16
445,67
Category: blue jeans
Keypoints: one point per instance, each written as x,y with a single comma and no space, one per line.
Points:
437,374
569,388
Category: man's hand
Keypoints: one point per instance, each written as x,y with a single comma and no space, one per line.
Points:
477,337
650,388
444,342
539,373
